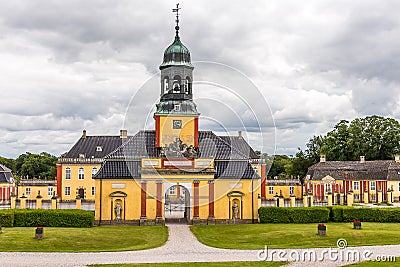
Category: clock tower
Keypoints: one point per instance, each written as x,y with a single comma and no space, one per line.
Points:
176,115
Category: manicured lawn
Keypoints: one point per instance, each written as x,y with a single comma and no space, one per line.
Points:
375,263
120,238
200,264
257,236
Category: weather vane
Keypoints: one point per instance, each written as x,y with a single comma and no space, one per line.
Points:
176,10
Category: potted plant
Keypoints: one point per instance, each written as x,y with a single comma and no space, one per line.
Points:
321,229
357,224
39,232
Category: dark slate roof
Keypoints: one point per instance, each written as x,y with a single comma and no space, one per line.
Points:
88,146
231,155
356,170
5,175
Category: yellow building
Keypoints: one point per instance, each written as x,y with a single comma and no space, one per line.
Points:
284,187
216,175
7,185
76,168
32,188
366,181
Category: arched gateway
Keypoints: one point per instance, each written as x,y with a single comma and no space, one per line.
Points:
138,182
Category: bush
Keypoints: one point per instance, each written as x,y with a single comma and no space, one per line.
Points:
382,215
336,214
53,218
6,218
293,215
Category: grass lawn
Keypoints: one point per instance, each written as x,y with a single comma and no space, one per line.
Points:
200,264
376,263
106,238
256,236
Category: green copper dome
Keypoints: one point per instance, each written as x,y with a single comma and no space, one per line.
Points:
176,54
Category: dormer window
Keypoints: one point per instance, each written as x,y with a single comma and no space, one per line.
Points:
99,148
81,156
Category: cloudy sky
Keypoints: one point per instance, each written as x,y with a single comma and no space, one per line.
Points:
73,65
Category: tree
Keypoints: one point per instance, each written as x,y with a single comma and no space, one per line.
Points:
375,137
278,164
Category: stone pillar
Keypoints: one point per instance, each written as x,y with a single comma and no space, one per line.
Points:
311,197
39,199
159,200
350,198
366,199
78,202
54,202
380,196
211,200
292,201
13,201
143,200
196,200
305,200
22,202
281,201
389,196
329,195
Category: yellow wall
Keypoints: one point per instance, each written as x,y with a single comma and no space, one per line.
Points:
168,133
285,190
35,191
133,200
74,183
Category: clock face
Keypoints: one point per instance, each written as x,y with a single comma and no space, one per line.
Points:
177,124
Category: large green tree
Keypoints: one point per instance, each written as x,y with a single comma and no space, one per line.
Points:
375,137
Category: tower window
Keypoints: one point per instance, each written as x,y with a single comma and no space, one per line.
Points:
177,107
177,84
166,81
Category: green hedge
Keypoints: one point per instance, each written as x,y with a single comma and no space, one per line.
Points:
293,215
336,213
51,218
6,218
382,215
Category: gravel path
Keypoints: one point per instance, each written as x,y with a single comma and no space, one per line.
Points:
181,246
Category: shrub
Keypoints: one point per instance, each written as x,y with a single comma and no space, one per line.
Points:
53,218
6,218
372,214
336,214
293,215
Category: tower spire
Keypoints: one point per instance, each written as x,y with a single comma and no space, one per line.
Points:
176,10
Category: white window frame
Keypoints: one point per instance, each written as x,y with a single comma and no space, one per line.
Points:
50,190
93,190
99,148
372,185
291,190
27,191
356,185
328,188
172,190
255,170
94,171
68,173
81,173
271,190
356,196
67,191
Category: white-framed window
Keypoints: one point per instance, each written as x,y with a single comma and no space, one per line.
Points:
172,190
356,186
291,190
327,188
271,190
67,191
373,185
99,148
356,197
81,173
94,171
49,190
93,190
67,173
177,107
255,170
28,191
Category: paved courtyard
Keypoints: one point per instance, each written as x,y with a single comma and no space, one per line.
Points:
181,246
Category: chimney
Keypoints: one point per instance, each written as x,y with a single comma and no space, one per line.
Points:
362,159
240,133
322,159
397,158
84,134
123,134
